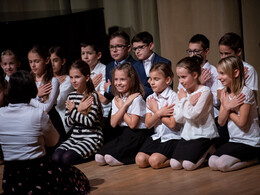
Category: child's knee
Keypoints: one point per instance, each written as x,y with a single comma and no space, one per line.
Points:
141,160
189,166
175,164
212,162
155,162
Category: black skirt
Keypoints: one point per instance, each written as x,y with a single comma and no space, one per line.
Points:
191,150
125,147
238,150
42,176
151,146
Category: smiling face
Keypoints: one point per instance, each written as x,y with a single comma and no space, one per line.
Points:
9,64
56,63
78,80
158,81
121,81
188,80
90,56
37,63
224,78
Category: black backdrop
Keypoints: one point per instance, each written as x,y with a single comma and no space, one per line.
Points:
67,31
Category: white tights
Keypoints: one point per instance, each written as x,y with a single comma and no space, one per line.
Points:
107,159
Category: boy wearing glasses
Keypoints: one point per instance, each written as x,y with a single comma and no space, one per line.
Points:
119,47
199,45
142,45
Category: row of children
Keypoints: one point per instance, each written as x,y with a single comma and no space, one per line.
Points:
154,125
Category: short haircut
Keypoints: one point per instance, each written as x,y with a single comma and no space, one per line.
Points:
232,40
202,39
144,37
121,34
21,87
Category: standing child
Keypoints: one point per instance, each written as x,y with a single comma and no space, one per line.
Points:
48,85
58,61
84,115
143,47
238,108
91,54
195,109
158,148
9,63
23,135
128,112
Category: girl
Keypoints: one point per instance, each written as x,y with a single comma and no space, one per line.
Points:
48,85
58,61
84,114
195,109
23,137
238,108
9,63
158,148
91,54
128,112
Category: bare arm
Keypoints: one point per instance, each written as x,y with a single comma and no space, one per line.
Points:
241,119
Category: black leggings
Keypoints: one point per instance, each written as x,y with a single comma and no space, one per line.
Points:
68,157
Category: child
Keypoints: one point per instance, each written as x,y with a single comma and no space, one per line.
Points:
91,54
23,137
48,86
143,48
128,111
58,61
230,44
238,108
119,46
9,63
199,45
158,148
195,110
84,115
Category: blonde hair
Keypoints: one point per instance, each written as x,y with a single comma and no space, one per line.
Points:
229,65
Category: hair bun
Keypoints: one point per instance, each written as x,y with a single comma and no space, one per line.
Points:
198,59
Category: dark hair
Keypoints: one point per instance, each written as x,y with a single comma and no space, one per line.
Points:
192,64
43,52
144,37
58,50
3,87
232,40
121,34
164,68
199,38
92,44
135,84
21,87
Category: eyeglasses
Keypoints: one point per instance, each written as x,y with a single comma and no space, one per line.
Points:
139,48
117,47
195,52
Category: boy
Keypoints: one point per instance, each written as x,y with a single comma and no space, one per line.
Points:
199,45
143,48
119,46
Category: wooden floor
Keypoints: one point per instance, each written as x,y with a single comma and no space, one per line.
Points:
129,179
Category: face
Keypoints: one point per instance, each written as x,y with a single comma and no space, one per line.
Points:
188,80
195,49
37,63
226,51
118,49
122,81
158,81
9,64
142,50
78,80
56,63
224,78
90,56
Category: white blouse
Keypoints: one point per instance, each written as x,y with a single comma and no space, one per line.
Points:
160,129
23,131
198,120
236,134
137,108
48,104
65,89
